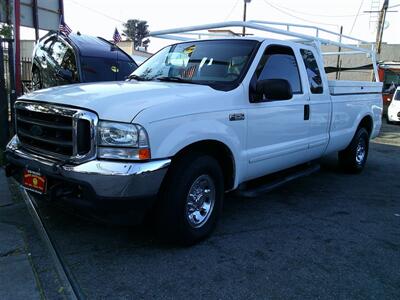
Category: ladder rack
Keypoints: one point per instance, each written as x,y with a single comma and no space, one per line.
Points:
178,34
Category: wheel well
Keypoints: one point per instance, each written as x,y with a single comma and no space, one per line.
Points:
219,151
366,123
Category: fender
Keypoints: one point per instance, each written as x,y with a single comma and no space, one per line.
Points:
168,137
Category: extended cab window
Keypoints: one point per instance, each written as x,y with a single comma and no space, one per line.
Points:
313,73
279,62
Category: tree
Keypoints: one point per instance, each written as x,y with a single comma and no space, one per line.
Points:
6,31
137,31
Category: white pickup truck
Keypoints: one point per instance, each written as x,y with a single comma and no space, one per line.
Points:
195,120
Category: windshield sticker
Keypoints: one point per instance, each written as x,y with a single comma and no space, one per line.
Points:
114,69
189,50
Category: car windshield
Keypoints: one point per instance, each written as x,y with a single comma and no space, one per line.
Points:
105,69
217,61
397,95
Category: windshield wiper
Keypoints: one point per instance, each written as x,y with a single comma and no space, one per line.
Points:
174,79
136,77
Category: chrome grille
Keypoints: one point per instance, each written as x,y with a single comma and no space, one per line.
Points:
55,131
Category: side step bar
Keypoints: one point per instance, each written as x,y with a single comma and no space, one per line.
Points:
258,187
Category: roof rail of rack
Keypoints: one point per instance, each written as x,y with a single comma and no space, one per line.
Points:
354,44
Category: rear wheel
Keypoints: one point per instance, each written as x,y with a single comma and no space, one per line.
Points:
353,158
191,199
36,80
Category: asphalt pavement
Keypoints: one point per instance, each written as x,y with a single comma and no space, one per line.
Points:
329,235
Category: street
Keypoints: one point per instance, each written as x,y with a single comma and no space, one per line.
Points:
328,235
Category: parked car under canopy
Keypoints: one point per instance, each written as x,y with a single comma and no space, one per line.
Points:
59,60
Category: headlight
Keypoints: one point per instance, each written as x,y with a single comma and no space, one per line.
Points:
122,141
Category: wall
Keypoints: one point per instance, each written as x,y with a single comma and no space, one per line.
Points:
390,52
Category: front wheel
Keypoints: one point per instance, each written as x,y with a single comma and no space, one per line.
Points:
191,199
353,158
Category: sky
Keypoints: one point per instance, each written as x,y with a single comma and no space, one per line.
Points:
100,17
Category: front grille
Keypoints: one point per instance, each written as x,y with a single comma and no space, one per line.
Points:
55,131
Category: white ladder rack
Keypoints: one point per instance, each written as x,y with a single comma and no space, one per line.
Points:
178,34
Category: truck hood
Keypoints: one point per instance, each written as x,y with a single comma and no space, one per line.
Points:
122,100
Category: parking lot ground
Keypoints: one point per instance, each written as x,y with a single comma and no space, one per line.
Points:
328,235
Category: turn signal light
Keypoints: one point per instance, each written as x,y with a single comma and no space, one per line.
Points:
144,154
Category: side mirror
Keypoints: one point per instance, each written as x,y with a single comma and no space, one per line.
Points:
274,89
65,74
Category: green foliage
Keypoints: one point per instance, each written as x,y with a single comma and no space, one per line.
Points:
137,31
6,31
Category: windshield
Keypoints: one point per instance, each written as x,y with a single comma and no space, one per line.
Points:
397,95
105,69
217,61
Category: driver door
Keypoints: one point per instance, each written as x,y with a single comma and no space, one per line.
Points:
278,130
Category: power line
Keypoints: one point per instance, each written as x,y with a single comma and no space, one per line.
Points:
296,17
314,15
233,8
96,11
355,19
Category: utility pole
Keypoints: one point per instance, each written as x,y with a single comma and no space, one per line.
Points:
17,42
338,62
381,26
244,15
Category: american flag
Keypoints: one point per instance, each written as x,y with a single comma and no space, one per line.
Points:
117,37
63,27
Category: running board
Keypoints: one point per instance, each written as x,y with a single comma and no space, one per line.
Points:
265,184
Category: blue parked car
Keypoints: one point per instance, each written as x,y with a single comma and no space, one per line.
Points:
59,60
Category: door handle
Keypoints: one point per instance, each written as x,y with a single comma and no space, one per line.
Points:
306,112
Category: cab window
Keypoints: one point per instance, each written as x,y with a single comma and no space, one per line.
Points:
313,73
279,62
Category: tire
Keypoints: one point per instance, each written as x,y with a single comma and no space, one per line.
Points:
36,80
185,219
354,157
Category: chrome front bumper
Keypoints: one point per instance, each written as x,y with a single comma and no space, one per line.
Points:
106,179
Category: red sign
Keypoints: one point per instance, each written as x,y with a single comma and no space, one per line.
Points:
34,181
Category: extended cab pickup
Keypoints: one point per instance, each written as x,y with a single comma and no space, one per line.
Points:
197,119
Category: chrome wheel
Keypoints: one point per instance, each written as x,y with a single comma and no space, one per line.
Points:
361,152
200,201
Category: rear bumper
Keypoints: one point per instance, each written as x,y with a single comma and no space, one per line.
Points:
98,184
